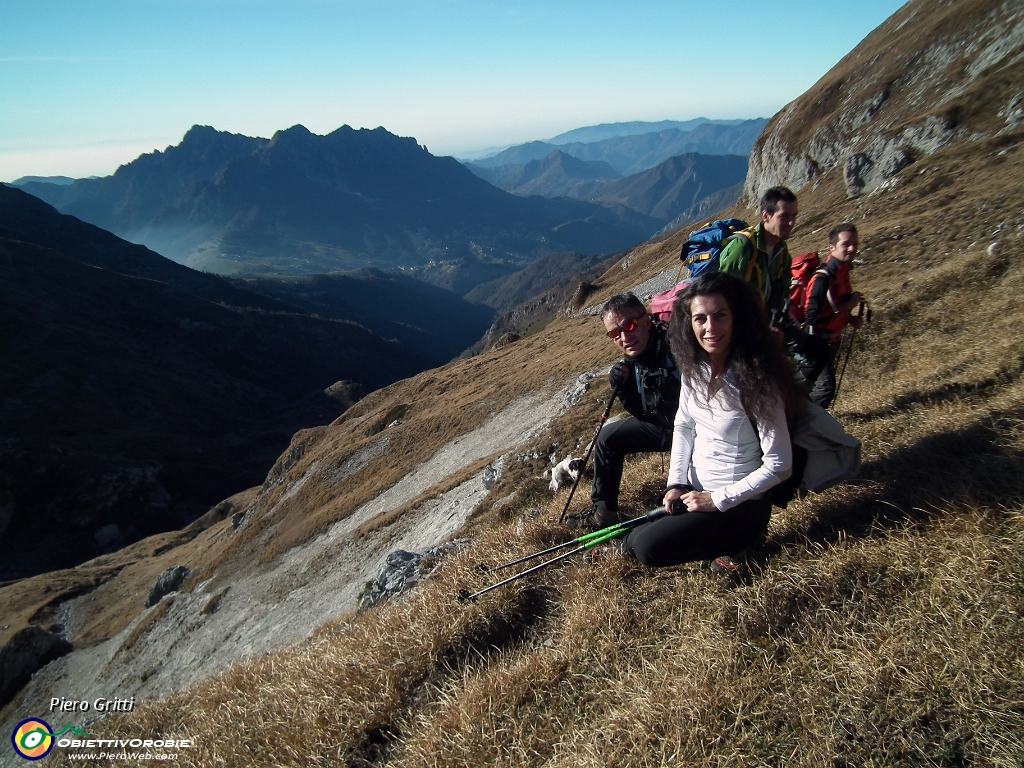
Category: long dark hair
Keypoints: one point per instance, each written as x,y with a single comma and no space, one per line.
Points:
756,360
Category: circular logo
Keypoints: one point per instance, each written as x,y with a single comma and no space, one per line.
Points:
32,739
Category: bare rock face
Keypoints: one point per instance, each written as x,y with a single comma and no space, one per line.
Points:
899,97
167,582
28,651
402,570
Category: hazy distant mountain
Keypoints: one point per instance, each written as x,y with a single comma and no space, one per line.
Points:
59,180
545,272
303,204
555,175
610,130
517,156
663,192
634,153
679,183
704,208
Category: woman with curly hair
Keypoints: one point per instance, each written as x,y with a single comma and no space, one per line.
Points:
731,440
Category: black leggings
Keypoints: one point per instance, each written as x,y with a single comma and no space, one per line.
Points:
692,536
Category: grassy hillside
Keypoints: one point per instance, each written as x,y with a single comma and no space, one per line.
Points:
882,624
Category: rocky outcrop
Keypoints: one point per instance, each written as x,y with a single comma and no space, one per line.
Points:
898,98
402,570
168,582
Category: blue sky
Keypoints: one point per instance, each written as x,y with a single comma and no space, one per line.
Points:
87,85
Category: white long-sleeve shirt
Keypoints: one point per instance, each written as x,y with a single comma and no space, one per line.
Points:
715,447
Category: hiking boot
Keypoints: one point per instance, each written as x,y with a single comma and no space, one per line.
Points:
733,565
593,518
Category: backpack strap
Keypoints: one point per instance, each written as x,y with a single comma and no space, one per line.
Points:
828,293
748,235
679,274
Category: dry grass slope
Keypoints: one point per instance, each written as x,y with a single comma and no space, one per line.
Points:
882,622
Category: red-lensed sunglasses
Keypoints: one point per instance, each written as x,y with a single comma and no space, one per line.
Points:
627,327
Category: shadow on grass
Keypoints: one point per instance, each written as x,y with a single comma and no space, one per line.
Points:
973,467
943,394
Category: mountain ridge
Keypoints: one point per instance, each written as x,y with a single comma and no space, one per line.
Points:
663,192
300,203
635,153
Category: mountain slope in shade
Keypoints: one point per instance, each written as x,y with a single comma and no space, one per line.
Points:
129,406
304,204
433,323
392,305
27,218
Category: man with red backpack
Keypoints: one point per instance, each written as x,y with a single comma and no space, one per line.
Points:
829,301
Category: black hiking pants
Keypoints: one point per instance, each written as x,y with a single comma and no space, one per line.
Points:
824,389
811,353
617,439
678,539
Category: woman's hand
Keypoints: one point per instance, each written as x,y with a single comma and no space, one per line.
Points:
693,501
698,501
671,495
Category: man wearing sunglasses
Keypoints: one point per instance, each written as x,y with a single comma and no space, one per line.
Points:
647,384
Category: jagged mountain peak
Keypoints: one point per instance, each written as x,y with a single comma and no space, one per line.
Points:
305,203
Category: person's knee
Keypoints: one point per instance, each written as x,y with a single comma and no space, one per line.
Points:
612,437
651,550
647,558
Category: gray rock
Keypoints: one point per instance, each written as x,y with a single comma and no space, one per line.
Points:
492,472
1013,112
167,582
576,394
855,172
402,570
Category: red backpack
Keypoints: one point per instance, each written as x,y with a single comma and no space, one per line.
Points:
801,271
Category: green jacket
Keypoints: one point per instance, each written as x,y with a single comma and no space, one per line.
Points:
769,273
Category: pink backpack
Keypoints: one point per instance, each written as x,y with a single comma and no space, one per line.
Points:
661,303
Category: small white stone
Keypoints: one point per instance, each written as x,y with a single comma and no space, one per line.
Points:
993,249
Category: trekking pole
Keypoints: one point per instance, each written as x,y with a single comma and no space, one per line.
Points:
584,542
849,349
593,442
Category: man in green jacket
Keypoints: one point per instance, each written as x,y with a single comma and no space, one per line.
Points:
761,257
